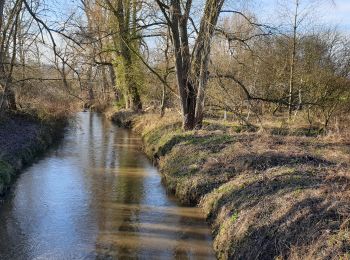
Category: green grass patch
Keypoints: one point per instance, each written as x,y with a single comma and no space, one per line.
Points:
234,217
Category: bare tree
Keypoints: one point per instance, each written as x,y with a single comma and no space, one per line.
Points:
191,69
8,51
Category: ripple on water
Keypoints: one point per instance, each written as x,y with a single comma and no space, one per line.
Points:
97,196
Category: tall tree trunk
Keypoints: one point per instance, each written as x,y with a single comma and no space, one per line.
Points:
202,54
91,52
191,72
2,68
113,78
90,85
9,95
166,74
134,97
105,84
124,11
292,61
182,64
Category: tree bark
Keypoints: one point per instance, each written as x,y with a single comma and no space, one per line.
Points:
2,69
192,72
202,54
9,95
123,12
292,61
2,4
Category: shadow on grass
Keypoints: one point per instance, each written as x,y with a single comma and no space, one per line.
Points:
266,160
306,226
309,225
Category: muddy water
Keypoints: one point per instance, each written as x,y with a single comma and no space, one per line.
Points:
97,196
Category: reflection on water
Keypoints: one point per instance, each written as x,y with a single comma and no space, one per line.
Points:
98,197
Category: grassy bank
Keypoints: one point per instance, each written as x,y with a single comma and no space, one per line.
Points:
22,138
266,196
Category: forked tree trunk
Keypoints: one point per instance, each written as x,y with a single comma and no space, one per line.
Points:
191,72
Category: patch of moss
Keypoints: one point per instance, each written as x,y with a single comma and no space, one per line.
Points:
179,167
180,160
161,140
234,217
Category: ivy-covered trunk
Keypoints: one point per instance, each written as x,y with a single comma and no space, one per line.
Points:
126,42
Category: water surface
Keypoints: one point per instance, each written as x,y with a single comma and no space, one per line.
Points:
96,196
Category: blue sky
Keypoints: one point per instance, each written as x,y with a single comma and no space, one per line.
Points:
340,14
323,12
331,12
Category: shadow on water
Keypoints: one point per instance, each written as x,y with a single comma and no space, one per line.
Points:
97,196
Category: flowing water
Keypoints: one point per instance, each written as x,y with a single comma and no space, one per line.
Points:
96,196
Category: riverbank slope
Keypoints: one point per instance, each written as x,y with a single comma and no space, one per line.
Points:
22,138
266,196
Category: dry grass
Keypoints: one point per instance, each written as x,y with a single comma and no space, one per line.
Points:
22,137
47,102
266,196
284,198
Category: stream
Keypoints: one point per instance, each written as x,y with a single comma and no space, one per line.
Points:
97,196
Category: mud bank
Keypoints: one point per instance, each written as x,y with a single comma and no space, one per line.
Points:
23,138
265,196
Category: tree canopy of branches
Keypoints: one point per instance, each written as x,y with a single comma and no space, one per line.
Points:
201,58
